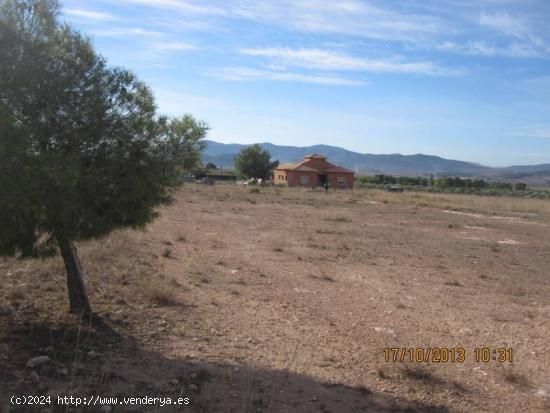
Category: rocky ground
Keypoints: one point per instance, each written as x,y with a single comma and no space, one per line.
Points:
283,300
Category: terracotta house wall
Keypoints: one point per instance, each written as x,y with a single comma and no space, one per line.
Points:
294,178
333,180
279,176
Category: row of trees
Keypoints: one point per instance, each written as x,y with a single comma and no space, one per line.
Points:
82,148
445,182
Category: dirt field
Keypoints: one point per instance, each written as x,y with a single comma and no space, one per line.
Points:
283,301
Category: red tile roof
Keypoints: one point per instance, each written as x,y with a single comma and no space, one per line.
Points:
286,166
305,168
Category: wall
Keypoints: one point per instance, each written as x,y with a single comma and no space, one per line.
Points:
333,180
277,174
294,178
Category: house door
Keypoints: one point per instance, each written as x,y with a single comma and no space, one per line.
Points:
322,179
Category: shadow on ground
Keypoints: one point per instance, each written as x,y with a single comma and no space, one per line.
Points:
97,359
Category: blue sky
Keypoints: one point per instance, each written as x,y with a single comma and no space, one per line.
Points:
462,79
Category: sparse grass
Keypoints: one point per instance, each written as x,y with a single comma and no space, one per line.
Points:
315,245
516,378
363,389
381,373
456,202
495,247
460,202
124,276
324,231
174,282
340,219
159,292
217,244
420,374
278,246
325,277
17,294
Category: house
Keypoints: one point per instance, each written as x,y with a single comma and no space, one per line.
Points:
313,171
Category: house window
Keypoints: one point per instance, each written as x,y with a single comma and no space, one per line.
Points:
304,180
286,177
341,181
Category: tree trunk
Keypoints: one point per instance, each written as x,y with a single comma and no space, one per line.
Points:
78,298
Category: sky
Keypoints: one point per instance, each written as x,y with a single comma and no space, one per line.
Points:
461,79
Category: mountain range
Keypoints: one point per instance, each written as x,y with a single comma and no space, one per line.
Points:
222,154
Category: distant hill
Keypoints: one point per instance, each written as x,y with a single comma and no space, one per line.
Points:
395,164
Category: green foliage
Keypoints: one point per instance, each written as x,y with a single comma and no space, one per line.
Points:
211,165
254,162
185,136
82,150
450,184
445,182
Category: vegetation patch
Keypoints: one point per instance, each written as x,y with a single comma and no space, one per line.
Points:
340,219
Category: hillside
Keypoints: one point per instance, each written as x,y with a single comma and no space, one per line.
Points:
396,164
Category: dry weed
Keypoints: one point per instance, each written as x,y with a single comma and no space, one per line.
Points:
160,292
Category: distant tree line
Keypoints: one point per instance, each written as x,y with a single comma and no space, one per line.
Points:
443,183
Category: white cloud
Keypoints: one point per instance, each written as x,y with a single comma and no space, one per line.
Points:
343,17
168,47
330,60
455,26
341,6
525,31
181,6
248,74
503,23
540,132
352,17
125,32
424,26
481,48
89,15
159,54
177,24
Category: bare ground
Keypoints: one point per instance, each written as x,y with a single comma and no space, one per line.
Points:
283,301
